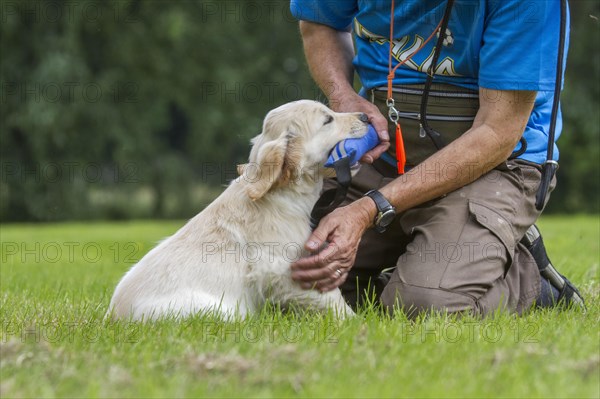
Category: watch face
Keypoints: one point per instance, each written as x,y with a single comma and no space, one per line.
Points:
386,218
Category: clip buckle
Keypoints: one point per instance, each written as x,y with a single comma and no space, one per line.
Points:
393,114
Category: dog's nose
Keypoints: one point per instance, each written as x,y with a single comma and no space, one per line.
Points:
364,118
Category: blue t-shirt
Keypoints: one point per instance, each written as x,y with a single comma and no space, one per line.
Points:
496,44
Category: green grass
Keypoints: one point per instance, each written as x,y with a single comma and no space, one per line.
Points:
56,282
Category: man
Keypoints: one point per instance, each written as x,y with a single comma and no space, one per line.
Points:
458,240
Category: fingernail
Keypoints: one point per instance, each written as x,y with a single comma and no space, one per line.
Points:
385,134
312,245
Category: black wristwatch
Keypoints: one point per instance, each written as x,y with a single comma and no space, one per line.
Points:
385,211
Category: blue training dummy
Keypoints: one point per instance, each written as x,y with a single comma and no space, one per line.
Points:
353,148
343,156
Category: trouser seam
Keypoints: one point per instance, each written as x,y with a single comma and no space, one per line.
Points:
437,289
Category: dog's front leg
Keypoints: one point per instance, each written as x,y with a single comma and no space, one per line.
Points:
295,297
333,300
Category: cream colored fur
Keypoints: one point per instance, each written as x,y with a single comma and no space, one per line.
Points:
235,255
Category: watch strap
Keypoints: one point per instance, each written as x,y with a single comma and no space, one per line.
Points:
383,205
380,201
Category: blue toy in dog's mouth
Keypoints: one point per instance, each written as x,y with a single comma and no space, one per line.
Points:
343,156
353,148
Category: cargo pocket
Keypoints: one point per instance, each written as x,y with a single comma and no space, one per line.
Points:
483,252
497,225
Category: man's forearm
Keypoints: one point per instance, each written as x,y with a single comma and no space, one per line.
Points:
457,165
329,54
495,133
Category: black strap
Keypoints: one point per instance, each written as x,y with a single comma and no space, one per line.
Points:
332,198
435,136
520,151
550,166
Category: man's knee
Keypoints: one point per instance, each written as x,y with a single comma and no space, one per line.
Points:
414,300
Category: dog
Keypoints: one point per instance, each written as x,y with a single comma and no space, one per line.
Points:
234,257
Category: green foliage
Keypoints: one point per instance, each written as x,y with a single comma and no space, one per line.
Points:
129,109
578,187
55,343
136,98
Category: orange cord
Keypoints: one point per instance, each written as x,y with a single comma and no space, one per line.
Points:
400,153
392,72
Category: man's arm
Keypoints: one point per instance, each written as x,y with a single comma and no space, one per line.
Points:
329,54
496,130
499,124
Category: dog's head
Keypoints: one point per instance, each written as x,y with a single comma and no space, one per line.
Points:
294,144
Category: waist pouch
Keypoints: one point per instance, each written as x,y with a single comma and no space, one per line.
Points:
450,111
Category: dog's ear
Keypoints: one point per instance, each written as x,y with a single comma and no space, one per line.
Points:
276,163
261,175
241,168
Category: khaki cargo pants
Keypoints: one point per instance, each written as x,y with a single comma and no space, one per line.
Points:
457,253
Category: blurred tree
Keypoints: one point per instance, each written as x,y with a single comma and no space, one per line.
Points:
107,104
578,188
129,109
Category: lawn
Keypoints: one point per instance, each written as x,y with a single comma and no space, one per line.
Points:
56,282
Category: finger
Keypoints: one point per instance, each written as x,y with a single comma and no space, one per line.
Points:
382,133
328,281
316,261
335,284
317,267
308,263
313,276
380,124
318,237
340,273
367,158
376,152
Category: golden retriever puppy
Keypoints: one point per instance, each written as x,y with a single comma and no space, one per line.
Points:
235,255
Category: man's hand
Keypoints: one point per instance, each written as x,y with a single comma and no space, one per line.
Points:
352,102
341,231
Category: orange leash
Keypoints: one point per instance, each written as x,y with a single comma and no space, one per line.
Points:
392,111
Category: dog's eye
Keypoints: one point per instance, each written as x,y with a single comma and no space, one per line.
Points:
328,120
